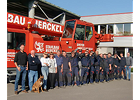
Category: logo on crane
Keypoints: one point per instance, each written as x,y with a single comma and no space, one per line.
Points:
39,46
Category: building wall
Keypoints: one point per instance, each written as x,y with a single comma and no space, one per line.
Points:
109,18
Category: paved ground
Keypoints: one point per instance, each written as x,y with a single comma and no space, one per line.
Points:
114,90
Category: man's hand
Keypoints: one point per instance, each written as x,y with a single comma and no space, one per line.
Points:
109,68
56,71
70,70
61,70
100,68
26,68
88,68
129,67
124,66
115,65
18,68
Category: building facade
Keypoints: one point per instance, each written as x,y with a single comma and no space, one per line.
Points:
118,24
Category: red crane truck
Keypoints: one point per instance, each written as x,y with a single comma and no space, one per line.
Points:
43,36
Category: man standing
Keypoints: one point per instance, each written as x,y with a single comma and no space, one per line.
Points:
129,62
110,63
101,68
21,63
106,67
116,65
74,64
59,61
122,66
85,68
33,69
66,68
97,66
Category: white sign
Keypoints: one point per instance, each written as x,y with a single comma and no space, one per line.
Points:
80,44
16,19
39,46
52,48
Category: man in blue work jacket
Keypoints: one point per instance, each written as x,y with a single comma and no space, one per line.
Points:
59,61
74,65
97,66
92,69
122,66
66,69
85,68
110,63
116,65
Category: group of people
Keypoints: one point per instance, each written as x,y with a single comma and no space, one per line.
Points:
78,69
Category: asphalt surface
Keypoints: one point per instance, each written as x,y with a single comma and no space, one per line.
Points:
114,90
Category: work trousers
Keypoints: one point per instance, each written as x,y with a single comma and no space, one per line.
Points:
106,71
116,71
122,68
92,69
111,74
75,74
97,69
59,77
84,74
67,73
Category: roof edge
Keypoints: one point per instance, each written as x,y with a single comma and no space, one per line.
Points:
59,7
108,14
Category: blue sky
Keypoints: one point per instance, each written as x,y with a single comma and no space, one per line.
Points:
94,7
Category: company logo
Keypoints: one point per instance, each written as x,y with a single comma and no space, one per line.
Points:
39,46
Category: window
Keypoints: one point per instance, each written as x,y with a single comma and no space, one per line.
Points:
96,28
119,28
110,29
102,29
79,32
68,31
127,28
14,40
89,33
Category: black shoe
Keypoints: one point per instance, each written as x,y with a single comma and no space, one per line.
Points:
128,79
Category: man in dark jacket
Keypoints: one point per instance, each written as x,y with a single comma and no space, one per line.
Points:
74,65
101,68
110,63
97,66
122,66
116,65
106,67
33,69
21,63
85,68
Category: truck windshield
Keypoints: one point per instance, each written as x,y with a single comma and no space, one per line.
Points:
68,31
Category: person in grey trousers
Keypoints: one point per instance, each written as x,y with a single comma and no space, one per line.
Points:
129,62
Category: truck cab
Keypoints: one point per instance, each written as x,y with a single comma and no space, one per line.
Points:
78,33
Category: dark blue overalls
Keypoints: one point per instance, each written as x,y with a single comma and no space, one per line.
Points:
97,68
102,68
74,66
116,70
92,69
106,69
122,67
111,72
66,71
84,69
59,61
